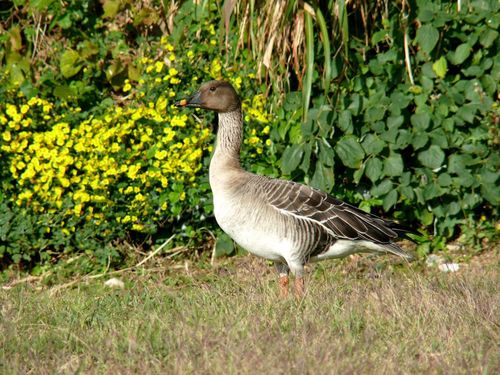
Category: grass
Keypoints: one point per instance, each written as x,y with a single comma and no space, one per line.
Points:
359,316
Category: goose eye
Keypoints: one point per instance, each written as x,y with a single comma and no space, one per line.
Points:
212,88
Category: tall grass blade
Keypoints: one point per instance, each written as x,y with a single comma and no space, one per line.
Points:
307,86
344,25
326,49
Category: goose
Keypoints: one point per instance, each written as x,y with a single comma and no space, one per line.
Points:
283,221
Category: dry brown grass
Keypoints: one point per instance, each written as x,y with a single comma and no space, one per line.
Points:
362,316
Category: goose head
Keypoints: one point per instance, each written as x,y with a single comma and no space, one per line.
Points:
218,96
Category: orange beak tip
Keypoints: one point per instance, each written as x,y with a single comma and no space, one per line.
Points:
183,103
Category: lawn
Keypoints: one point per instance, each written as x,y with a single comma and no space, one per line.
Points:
360,315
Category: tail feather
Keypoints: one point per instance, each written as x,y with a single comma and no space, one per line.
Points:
396,250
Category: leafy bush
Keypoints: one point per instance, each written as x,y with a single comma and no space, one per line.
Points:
76,179
425,145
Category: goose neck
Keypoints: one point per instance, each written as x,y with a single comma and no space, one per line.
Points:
230,135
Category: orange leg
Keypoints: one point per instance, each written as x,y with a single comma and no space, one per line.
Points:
299,287
283,283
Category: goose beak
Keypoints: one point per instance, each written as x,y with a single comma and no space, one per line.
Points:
192,101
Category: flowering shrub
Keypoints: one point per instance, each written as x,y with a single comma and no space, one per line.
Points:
76,179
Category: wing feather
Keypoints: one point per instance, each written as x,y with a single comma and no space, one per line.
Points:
341,219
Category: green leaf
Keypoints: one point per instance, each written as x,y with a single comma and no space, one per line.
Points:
323,178
444,180
224,245
356,104
306,160
404,138
491,193
293,101
420,121
64,91
427,37
350,151
390,199
440,67
427,217
372,144
326,153
488,84
467,112
457,163
393,165
345,122
419,140
395,121
488,37
373,169
69,63
295,133
41,5
111,8
432,158
383,188
432,191
460,54
407,191
291,158
465,179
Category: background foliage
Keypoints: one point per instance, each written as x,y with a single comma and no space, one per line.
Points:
392,105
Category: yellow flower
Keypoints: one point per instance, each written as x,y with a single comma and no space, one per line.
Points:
127,86
160,154
253,140
215,68
237,82
132,171
179,120
11,110
138,227
195,155
164,182
161,104
77,210
159,66
25,195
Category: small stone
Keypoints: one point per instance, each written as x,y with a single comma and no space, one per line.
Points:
434,260
449,267
115,283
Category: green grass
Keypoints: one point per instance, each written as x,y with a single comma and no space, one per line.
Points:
362,316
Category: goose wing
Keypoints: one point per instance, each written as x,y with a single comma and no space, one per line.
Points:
342,220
